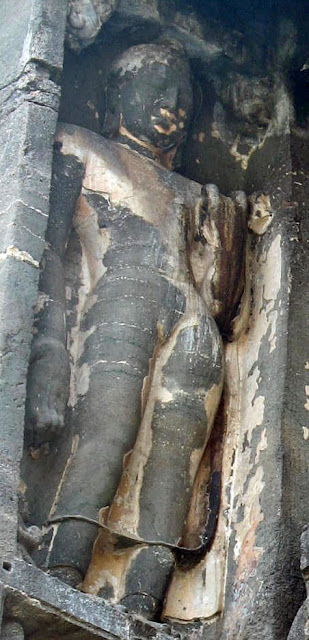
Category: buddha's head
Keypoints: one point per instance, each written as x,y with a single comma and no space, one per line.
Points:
149,98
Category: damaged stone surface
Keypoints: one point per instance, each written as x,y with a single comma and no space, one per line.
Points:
46,607
120,224
213,226
248,135
29,96
161,267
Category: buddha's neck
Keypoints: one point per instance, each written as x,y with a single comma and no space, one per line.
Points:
165,158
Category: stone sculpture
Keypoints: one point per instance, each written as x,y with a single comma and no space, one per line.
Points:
162,273
85,19
300,627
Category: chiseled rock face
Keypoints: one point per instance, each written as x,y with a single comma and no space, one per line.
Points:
156,296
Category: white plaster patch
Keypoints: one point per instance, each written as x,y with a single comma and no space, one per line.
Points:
82,379
196,593
105,578
22,256
195,458
109,569
79,381
246,409
74,447
103,179
262,446
54,528
137,58
305,433
273,316
41,301
112,172
164,395
261,215
94,243
252,517
306,405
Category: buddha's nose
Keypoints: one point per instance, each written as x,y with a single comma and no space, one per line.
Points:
172,97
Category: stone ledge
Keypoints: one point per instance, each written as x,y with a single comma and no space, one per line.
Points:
46,605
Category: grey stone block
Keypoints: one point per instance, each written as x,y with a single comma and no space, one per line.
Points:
17,277
9,479
31,52
28,33
26,138
48,24
30,593
14,48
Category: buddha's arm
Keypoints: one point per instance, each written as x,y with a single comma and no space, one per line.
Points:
48,376
217,249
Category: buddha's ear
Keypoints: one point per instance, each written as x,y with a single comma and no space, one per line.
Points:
112,118
111,124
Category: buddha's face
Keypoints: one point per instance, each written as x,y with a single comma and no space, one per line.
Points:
156,106
155,102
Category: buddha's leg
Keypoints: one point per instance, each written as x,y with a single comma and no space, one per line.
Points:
119,333
153,497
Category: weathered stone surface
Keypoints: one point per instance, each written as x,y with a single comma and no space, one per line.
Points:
298,629
11,630
15,40
154,269
9,471
257,525
44,603
166,185
136,14
239,140
31,51
304,551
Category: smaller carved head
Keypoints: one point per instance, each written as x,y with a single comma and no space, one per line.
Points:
250,99
260,213
84,21
149,96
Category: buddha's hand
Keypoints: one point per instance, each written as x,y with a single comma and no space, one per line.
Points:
47,390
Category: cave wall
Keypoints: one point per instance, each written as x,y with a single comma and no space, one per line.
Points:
234,148
31,63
